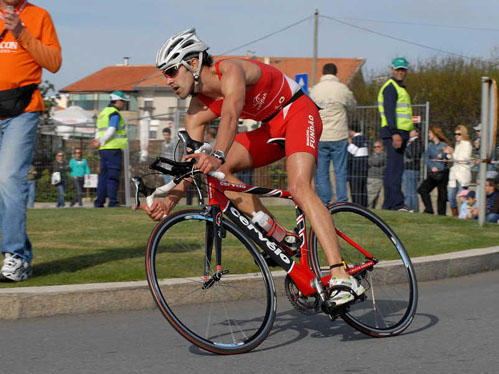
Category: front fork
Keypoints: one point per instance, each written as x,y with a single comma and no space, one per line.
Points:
213,238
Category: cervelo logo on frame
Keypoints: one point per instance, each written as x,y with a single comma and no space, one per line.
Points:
270,245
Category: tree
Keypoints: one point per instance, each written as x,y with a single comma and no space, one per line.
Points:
452,85
49,95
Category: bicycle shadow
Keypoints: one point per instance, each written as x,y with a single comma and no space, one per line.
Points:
318,326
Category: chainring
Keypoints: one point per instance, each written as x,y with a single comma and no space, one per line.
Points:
303,304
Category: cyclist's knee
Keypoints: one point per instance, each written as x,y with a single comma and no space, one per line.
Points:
301,191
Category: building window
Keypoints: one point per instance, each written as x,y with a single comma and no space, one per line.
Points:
102,101
85,101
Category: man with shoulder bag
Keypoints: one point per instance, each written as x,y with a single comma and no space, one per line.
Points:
28,43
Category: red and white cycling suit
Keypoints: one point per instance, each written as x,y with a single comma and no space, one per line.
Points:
299,122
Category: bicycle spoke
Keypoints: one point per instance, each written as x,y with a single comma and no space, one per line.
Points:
377,259
213,312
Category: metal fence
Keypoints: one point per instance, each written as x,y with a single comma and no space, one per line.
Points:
273,176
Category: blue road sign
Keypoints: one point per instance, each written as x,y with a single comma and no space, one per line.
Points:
302,80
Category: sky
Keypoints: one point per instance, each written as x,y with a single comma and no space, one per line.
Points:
95,34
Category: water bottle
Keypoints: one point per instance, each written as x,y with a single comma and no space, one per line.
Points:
269,225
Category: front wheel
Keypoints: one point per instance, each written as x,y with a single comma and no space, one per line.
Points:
391,295
226,311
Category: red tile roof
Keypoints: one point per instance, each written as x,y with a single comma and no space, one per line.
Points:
136,77
119,77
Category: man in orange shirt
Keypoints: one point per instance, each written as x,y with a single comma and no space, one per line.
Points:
28,43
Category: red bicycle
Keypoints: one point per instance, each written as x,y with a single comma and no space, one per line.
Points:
208,268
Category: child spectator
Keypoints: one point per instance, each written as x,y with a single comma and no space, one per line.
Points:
464,207
492,203
472,205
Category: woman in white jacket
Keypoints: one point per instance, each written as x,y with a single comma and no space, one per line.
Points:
460,172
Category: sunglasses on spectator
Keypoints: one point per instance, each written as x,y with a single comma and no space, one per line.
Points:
171,72
77,152
377,146
457,133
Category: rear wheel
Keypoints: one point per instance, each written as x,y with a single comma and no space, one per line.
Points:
391,295
227,312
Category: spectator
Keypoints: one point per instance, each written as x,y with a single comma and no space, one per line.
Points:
78,167
335,99
61,167
394,104
492,204
460,172
111,138
375,172
412,165
358,161
32,176
476,143
168,150
464,207
211,136
490,174
28,44
438,174
472,205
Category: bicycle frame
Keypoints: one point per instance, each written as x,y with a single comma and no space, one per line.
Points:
300,272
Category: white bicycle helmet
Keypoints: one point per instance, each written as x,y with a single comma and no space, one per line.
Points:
174,51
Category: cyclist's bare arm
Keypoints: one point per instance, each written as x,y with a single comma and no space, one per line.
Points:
197,116
232,87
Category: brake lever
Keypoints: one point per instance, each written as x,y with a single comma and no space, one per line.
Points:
140,188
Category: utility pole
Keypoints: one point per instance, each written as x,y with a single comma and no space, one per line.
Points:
314,62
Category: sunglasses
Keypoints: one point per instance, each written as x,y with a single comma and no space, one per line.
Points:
457,133
77,153
377,146
171,72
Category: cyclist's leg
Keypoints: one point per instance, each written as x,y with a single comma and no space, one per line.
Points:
249,150
301,170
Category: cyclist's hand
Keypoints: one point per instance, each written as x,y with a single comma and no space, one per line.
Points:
205,163
158,209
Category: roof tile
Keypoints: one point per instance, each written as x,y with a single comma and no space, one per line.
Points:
136,77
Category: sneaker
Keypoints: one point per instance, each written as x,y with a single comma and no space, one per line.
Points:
15,268
339,296
405,208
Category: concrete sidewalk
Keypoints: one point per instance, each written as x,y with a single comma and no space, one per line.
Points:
29,302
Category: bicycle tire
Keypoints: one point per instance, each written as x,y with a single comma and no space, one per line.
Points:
232,316
391,285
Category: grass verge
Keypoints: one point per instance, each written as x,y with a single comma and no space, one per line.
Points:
77,245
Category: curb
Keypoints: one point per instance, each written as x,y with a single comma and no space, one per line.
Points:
30,302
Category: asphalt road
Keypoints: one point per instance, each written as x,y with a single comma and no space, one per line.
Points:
455,331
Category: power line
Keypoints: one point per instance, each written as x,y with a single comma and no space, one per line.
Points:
422,24
395,38
267,36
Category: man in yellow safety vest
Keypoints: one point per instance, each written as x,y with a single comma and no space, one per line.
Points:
111,138
394,104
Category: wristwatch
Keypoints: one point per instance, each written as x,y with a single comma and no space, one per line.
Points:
219,154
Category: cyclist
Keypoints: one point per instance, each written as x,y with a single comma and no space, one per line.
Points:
238,88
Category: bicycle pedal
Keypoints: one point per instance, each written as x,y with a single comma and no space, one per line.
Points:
333,311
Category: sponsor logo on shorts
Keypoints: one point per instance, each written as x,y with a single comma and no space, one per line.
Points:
311,132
